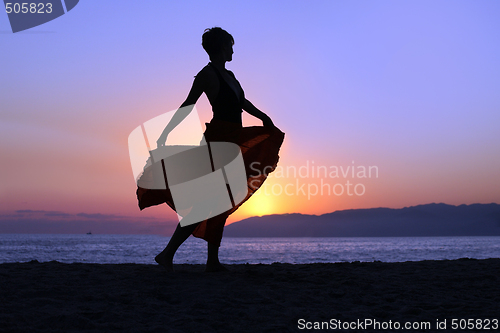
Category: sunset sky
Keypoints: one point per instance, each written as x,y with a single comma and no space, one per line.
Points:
406,89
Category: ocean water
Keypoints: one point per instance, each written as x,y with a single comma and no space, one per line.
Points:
141,249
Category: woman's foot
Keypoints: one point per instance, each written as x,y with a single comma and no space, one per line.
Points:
215,267
166,261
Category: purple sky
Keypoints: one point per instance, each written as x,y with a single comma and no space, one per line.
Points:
410,87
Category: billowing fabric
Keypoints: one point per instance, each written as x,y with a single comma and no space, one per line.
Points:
259,146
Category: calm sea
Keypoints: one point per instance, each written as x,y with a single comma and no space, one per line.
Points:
141,249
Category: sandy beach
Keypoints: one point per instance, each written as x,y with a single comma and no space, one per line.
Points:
56,297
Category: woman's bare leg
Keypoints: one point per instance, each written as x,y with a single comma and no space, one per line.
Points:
166,257
213,264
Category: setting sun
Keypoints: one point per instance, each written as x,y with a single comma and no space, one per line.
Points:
259,204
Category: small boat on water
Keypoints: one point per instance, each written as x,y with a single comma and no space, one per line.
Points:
89,233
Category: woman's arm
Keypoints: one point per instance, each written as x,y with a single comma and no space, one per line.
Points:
251,109
184,110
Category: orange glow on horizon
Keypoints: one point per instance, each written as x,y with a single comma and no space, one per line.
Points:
258,205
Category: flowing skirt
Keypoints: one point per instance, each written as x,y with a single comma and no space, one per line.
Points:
259,147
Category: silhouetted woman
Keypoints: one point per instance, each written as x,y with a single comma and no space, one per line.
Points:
258,143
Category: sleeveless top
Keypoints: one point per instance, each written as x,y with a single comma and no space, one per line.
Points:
227,106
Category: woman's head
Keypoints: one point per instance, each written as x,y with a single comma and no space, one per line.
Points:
216,40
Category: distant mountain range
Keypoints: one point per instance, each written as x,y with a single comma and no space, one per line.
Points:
423,220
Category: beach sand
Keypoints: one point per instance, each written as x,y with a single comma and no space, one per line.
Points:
56,297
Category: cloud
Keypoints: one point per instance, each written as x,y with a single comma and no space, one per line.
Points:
60,214
30,211
99,216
